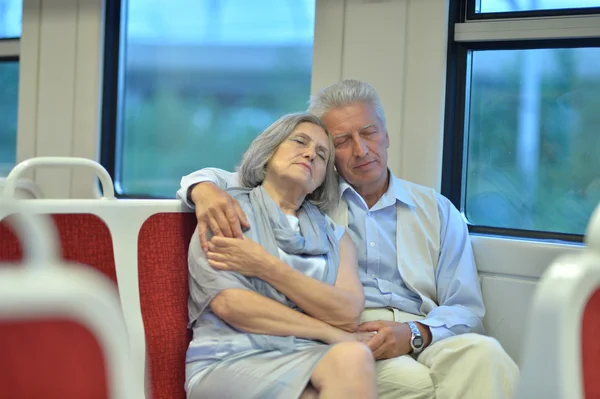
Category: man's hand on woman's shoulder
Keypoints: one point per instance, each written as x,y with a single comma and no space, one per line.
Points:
218,211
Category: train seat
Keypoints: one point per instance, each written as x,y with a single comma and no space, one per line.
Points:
142,246
561,348
146,242
24,189
62,333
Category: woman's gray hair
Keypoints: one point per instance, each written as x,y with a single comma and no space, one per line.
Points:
253,166
344,93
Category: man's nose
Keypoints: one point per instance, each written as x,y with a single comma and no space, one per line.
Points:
360,148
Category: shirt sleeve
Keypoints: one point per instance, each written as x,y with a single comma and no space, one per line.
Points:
205,282
220,177
461,308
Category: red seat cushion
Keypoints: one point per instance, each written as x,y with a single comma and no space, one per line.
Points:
84,238
591,347
163,280
50,358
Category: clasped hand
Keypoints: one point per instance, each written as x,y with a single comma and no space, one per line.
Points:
392,339
241,255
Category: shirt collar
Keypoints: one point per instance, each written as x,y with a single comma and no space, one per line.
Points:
396,190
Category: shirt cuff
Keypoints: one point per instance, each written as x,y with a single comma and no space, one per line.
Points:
437,333
184,193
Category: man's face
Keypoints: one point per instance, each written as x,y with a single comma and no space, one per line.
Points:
361,144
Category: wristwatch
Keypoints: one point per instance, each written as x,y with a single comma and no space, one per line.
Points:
417,342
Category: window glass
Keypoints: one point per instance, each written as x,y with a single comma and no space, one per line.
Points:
201,79
485,6
9,99
533,142
11,14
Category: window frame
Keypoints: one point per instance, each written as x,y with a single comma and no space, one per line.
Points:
457,89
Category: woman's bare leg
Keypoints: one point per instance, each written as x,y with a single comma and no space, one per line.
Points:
346,371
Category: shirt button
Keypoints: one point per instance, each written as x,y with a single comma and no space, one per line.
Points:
369,213
372,244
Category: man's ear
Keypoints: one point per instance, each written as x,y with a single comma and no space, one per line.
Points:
387,140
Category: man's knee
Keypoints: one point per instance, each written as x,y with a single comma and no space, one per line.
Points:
488,354
404,377
485,347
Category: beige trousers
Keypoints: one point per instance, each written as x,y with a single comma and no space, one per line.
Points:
467,366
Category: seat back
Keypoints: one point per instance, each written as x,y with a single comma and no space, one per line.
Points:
84,238
23,189
142,245
163,280
561,349
62,333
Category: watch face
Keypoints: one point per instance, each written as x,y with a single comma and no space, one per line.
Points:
418,342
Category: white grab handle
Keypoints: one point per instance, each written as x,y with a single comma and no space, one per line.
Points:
592,235
12,178
36,233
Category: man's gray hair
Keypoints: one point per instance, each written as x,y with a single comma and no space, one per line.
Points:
344,93
253,167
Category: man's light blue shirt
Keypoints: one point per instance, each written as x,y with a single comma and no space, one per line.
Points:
374,233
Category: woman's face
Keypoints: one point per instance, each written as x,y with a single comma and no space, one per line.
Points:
301,158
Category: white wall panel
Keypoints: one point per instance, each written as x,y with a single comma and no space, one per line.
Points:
88,94
374,51
518,257
507,302
328,43
60,77
425,92
56,92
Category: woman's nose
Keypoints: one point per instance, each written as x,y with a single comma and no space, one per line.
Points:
310,153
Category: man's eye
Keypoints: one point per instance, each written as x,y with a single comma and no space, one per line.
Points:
340,142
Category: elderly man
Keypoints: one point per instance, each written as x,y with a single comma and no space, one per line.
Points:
416,263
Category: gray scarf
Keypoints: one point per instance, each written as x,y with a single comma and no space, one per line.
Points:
272,230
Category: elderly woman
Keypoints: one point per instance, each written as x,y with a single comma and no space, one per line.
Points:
273,313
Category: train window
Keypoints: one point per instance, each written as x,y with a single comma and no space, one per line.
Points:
9,98
521,141
10,30
198,80
488,6
533,148
11,13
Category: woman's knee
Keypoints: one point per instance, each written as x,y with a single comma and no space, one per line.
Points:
347,355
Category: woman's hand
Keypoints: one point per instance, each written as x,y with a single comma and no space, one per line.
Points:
338,335
243,256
